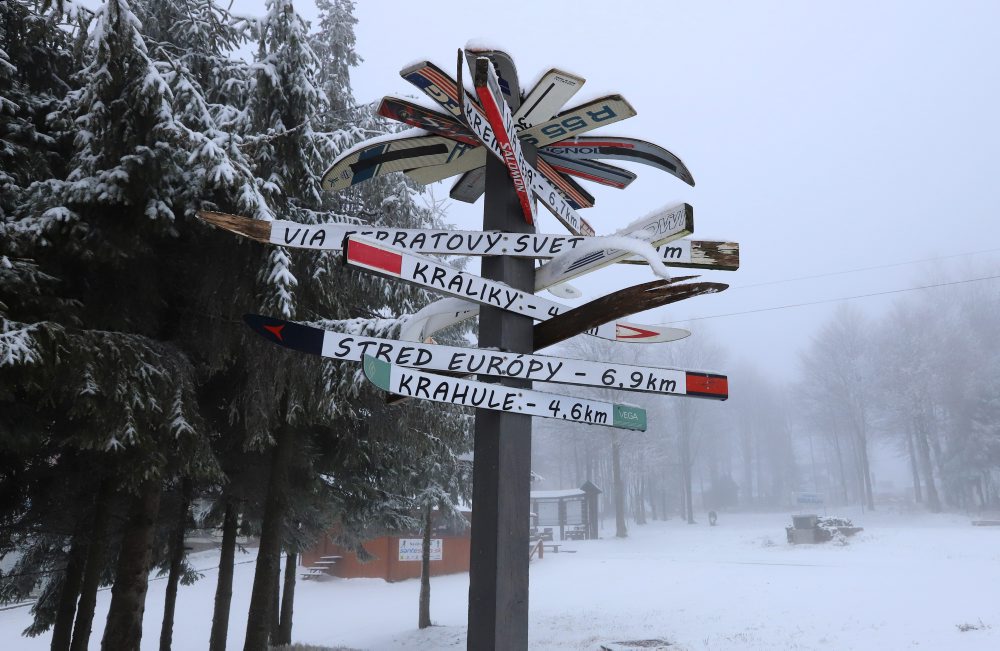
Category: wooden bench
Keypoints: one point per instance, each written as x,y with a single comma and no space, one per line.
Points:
320,567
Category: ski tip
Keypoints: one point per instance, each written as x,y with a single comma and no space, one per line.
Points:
629,417
285,333
414,67
255,229
377,371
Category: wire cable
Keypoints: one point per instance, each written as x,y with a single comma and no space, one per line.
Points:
878,266
835,300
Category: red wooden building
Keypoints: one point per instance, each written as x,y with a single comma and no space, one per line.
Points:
396,555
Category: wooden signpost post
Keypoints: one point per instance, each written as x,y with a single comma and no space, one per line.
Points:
516,149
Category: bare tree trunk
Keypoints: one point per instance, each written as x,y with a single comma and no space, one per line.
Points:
424,616
224,586
933,502
840,466
686,463
621,530
917,495
62,628
94,568
123,630
287,599
261,612
747,467
866,470
176,563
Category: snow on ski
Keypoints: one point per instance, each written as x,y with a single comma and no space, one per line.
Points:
492,363
501,120
424,118
391,154
664,226
506,72
550,94
624,149
370,255
579,120
590,170
469,393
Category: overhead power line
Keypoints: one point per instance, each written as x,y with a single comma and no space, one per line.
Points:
877,266
835,300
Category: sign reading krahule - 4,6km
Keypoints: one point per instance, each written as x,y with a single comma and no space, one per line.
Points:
516,148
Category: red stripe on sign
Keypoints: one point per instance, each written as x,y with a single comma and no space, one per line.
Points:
708,385
373,256
639,332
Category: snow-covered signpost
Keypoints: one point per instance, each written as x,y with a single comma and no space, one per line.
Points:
516,150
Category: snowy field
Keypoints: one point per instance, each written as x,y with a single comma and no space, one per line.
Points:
905,582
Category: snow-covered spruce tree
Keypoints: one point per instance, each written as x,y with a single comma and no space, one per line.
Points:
303,113
107,231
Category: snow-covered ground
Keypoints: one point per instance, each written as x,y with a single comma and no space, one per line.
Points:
905,582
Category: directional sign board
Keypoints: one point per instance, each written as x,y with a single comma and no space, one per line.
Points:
370,255
330,237
493,363
469,393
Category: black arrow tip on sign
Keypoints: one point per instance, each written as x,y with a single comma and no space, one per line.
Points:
285,333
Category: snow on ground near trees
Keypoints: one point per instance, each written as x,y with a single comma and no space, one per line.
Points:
905,582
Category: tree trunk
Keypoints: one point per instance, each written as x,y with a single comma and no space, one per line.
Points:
917,495
94,568
686,463
123,630
287,600
840,466
261,613
224,586
866,470
62,628
933,502
621,531
276,603
747,468
424,617
176,563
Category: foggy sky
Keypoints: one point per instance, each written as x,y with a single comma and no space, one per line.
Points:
822,137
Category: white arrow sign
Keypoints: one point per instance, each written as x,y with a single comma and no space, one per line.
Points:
365,253
467,361
468,393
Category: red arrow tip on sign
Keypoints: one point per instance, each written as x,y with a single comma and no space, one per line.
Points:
637,333
275,330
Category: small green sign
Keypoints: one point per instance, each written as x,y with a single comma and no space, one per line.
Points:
379,372
630,417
